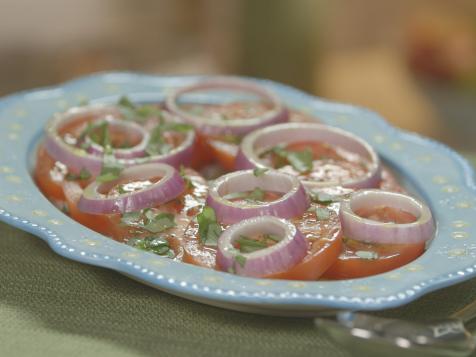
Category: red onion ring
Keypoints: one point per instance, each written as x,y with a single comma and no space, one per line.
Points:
77,158
167,188
277,258
368,230
287,133
124,126
292,204
239,127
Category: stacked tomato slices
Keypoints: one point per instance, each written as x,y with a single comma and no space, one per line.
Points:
224,175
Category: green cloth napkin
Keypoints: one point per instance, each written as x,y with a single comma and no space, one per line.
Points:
51,306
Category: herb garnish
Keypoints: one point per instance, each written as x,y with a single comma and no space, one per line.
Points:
157,145
301,161
83,175
248,245
208,227
157,223
240,259
110,171
322,198
155,245
149,220
186,178
260,171
257,195
322,213
138,113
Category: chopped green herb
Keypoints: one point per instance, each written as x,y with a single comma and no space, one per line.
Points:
121,190
157,145
369,255
186,178
155,245
100,134
272,237
322,198
131,218
322,213
248,245
109,172
83,175
259,171
159,222
257,195
208,227
240,259
139,113
301,161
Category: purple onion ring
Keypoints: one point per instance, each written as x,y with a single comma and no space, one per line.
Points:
77,158
277,258
292,204
95,199
130,128
368,230
239,127
260,140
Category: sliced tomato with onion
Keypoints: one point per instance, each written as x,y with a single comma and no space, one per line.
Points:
360,259
100,223
49,175
325,243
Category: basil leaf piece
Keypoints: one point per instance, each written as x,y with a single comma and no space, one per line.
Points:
322,198
138,113
160,222
109,172
131,218
188,182
155,245
248,245
256,195
301,161
322,213
259,171
83,175
272,237
240,259
208,227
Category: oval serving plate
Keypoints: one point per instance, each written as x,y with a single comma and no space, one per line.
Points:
436,173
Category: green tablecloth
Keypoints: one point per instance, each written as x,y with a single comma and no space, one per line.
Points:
50,306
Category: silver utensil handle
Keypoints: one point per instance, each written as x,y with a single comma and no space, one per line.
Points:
467,313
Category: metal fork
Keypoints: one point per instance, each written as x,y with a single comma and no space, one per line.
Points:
369,335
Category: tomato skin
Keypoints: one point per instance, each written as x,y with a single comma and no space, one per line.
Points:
50,184
97,222
323,255
225,153
202,154
390,256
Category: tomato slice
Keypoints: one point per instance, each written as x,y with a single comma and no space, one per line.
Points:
97,222
360,259
325,244
224,152
49,175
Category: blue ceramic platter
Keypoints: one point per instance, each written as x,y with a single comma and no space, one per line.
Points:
429,169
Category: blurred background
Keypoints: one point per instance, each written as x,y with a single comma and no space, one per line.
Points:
413,61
